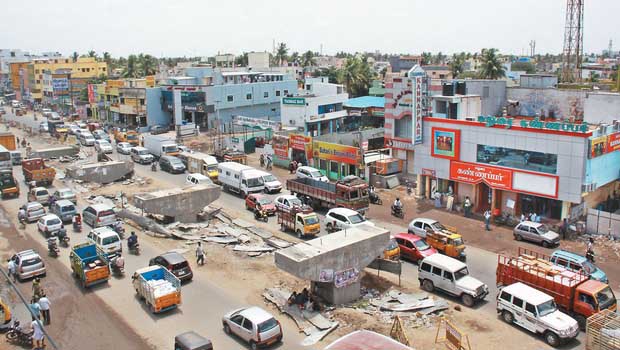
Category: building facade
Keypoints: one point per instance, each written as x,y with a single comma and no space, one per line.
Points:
83,68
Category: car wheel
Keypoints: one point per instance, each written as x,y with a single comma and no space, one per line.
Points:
299,234
329,227
518,237
545,244
507,316
253,345
581,321
468,300
226,328
552,339
428,285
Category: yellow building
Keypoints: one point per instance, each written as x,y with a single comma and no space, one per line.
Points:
84,67
120,101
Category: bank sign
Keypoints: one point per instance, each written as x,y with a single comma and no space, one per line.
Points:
294,101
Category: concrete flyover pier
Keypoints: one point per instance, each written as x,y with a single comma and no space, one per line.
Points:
333,263
179,204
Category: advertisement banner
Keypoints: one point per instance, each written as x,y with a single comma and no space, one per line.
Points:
150,80
280,146
397,144
114,83
91,94
299,142
346,277
613,142
445,143
598,146
294,101
60,84
474,173
336,152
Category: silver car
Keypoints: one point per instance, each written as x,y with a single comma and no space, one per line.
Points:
123,147
253,325
34,211
29,264
537,233
65,193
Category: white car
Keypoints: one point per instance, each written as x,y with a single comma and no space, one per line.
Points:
343,218
49,224
287,201
79,131
310,173
123,147
43,127
106,239
253,325
74,129
103,146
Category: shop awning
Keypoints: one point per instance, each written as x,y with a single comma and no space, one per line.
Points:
371,157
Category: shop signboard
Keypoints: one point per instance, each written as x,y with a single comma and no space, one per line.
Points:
294,101
280,146
445,143
60,84
613,142
91,93
535,123
474,173
336,152
299,142
398,144
598,146
114,83
150,80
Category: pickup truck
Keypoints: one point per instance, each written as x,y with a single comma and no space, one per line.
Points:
603,331
8,184
158,287
351,192
35,170
574,292
89,264
304,222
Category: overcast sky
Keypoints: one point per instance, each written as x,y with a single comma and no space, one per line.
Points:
205,27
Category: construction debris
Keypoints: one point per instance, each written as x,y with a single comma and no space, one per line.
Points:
253,248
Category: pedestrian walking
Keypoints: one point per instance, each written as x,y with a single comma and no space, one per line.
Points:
564,228
467,207
17,142
44,304
487,220
38,335
200,254
37,289
35,309
12,270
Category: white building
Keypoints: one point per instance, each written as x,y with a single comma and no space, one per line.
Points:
258,60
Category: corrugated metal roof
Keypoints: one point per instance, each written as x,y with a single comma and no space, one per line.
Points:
365,102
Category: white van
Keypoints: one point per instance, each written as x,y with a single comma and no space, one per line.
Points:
106,239
198,179
535,311
87,139
272,185
240,178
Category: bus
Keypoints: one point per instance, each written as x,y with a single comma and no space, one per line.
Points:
5,158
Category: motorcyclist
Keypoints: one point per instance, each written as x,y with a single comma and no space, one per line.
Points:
153,166
132,240
21,215
590,250
397,205
77,220
259,213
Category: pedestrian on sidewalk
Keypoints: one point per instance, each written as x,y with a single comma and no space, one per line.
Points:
12,270
17,142
487,220
35,309
200,254
467,207
564,228
44,304
38,335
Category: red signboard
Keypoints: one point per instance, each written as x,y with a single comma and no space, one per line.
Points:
613,142
299,142
474,173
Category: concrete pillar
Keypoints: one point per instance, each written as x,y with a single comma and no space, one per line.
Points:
318,126
493,199
474,198
427,193
565,210
418,189
331,126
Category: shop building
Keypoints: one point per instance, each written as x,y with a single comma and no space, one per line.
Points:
364,112
518,165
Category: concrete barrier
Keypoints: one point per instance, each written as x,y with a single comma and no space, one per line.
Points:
104,172
182,204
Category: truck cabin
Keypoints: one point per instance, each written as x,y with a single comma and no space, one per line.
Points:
170,149
131,137
595,296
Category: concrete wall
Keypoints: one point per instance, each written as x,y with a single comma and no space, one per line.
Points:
571,151
349,138
181,204
258,60
495,101
601,107
257,111
603,169
217,95
562,103
536,81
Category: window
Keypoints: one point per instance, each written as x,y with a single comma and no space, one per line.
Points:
38,81
230,98
285,92
561,262
519,159
530,308
517,302
122,100
277,93
333,167
574,266
36,71
426,267
403,127
141,102
248,96
237,319
505,296
447,275
418,224
409,245
436,271
485,92
266,94
441,107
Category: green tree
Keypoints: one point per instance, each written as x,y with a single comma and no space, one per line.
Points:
75,56
131,69
427,58
242,60
524,67
357,76
281,53
295,58
439,58
147,65
92,54
331,73
307,60
456,64
491,66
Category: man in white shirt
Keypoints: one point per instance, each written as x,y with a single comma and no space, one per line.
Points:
38,334
44,304
12,269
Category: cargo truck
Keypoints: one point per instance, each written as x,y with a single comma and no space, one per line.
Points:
203,164
127,136
89,264
603,331
8,184
35,170
574,292
304,222
351,192
8,141
57,128
161,145
158,287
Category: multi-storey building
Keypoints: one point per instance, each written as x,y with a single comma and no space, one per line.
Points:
83,68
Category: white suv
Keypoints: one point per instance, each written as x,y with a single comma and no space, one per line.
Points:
536,312
49,225
343,218
310,173
451,276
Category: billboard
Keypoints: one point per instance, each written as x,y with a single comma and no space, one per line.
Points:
336,152
60,84
445,143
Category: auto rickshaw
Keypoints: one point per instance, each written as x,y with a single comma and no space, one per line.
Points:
192,341
5,315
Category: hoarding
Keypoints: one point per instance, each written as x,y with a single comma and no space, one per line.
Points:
336,152
294,101
445,143
474,173
299,142
613,142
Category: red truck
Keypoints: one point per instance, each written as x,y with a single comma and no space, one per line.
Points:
351,192
35,170
573,292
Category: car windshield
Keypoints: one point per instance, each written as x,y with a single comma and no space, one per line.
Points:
461,273
68,208
546,308
143,152
132,137
171,148
438,227
104,143
421,245
311,220
295,202
31,261
264,201
267,325
110,240
316,173
53,222
355,218
605,298
269,178
66,193
543,229
457,241
42,193
392,245
257,181
176,161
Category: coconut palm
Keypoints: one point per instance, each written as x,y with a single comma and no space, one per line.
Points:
427,58
131,69
307,60
295,59
356,75
281,53
456,65
75,56
491,67
147,64
92,54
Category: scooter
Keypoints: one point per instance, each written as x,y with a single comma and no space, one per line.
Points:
398,212
261,215
52,247
117,264
63,238
134,249
15,334
375,199
590,256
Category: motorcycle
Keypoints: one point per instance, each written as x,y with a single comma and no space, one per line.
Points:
52,247
153,167
77,226
117,264
409,188
590,256
63,238
375,199
22,222
398,212
118,228
133,248
261,215
15,334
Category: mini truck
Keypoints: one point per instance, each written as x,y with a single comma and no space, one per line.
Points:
573,292
303,222
161,145
351,192
158,287
35,170
90,265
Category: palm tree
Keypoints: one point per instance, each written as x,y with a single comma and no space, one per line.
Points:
295,59
439,58
307,60
456,65
426,58
75,56
131,70
92,53
147,64
491,67
356,75
242,60
281,53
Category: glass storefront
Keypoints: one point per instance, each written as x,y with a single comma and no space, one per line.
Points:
517,159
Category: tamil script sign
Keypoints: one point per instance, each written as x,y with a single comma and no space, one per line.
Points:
535,123
299,142
60,84
475,173
613,142
295,101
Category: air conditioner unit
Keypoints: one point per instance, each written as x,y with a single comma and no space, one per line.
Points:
602,129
